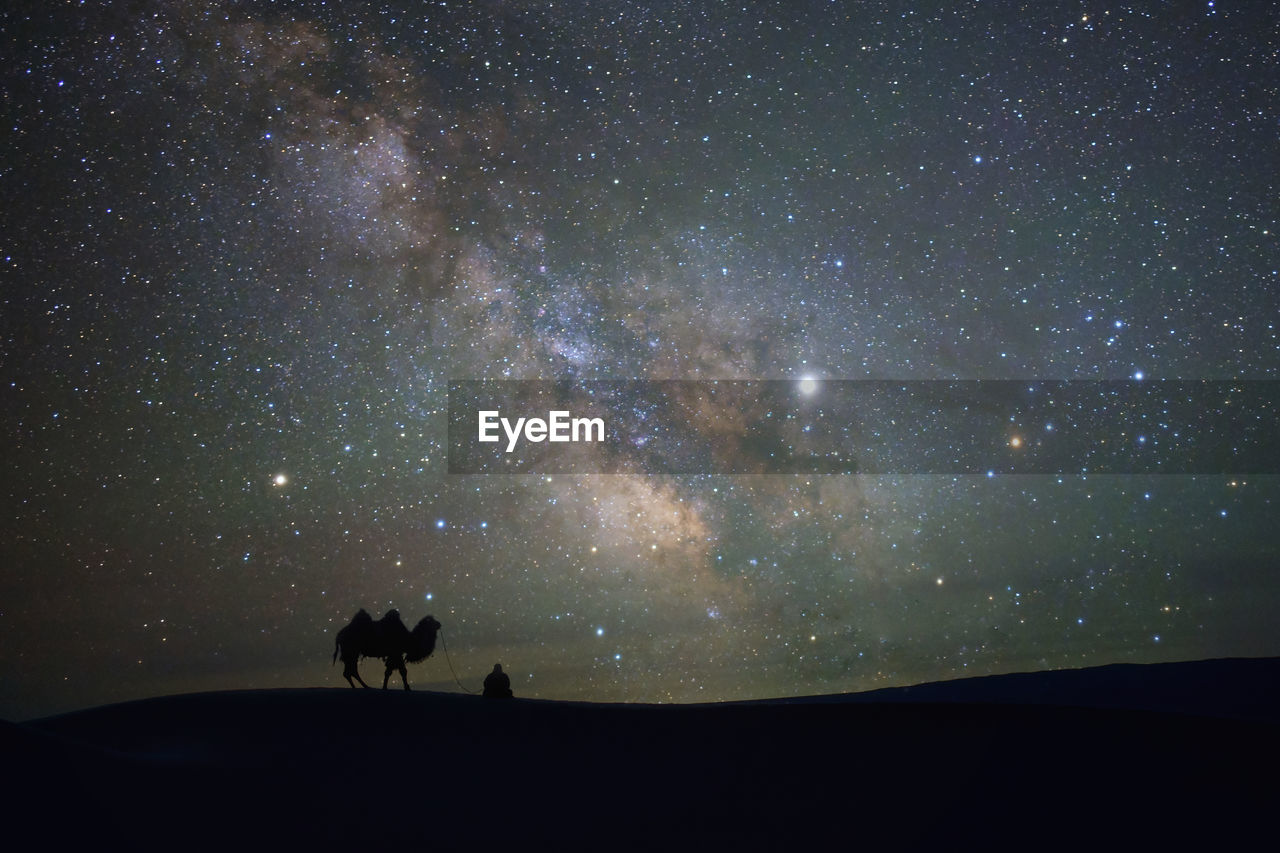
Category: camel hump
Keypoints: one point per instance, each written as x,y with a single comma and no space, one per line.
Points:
360,617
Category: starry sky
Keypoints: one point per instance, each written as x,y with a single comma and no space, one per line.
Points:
247,246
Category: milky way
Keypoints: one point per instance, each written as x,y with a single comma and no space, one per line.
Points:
247,247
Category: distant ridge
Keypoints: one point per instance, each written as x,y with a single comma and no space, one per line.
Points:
1132,753
1240,688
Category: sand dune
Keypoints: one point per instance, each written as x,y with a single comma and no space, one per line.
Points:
1145,751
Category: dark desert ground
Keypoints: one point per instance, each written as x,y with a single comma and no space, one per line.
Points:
1130,753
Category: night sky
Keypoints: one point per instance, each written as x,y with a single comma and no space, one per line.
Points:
246,247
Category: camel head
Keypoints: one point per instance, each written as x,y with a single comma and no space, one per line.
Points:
423,639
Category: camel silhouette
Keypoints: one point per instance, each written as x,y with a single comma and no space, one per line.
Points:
388,639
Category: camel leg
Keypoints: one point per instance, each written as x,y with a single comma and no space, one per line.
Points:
351,672
393,664
404,675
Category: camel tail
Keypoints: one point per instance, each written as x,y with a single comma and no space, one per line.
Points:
337,644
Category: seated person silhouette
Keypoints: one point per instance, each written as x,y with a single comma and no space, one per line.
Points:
496,684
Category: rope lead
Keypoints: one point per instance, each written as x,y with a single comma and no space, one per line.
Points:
445,646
